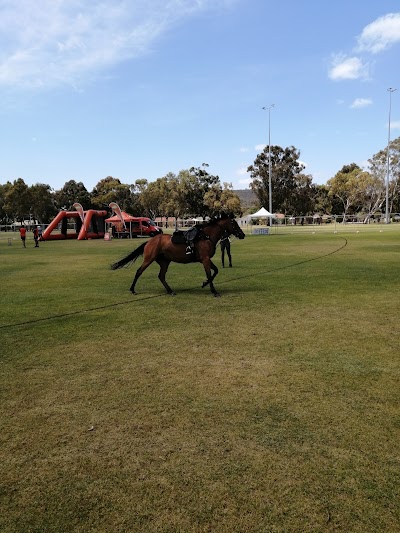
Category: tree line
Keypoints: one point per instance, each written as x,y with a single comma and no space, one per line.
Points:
352,191
192,192
196,192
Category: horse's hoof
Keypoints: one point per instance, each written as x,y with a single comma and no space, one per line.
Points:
230,266
133,292
203,284
217,295
172,293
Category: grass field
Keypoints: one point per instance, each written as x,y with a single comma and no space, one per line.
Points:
272,409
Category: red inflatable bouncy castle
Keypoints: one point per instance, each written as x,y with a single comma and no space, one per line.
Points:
69,225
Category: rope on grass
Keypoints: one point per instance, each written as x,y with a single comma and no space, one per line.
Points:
141,299
277,269
78,312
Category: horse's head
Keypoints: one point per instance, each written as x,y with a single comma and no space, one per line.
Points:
230,225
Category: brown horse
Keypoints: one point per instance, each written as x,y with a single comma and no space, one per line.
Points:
161,249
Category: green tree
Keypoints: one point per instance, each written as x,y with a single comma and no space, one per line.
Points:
196,183
168,187
109,190
161,197
323,203
42,203
371,194
4,216
346,187
174,203
70,193
285,178
378,169
141,185
301,201
152,197
17,204
219,200
132,205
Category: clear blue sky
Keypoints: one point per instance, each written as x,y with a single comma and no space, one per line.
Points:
138,88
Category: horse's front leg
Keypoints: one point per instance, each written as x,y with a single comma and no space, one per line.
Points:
215,269
208,266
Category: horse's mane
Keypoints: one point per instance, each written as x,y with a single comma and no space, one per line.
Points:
213,221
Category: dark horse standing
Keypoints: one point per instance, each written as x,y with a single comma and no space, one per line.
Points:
161,249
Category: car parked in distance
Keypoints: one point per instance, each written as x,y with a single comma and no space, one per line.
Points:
144,226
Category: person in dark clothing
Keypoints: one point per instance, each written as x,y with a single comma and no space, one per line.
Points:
36,237
226,245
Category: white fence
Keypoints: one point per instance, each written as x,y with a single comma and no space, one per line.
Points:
329,224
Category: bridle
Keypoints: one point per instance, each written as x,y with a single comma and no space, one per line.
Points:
237,232
234,231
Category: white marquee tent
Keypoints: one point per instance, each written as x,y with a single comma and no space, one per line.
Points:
262,213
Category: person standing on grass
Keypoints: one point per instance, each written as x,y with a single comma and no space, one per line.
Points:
36,237
22,232
226,245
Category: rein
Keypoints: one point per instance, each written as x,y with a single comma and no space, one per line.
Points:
213,238
216,240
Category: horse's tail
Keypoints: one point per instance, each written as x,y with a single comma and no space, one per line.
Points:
129,258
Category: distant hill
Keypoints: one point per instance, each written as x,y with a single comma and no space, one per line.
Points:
247,198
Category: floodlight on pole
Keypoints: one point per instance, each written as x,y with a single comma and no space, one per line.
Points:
391,90
269,159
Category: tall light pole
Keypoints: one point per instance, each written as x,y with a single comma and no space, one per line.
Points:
391,90
269,161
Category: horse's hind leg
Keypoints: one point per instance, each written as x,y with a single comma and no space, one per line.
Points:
164,264
137,276
147,262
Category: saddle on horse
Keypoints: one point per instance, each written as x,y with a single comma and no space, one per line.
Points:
188,237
